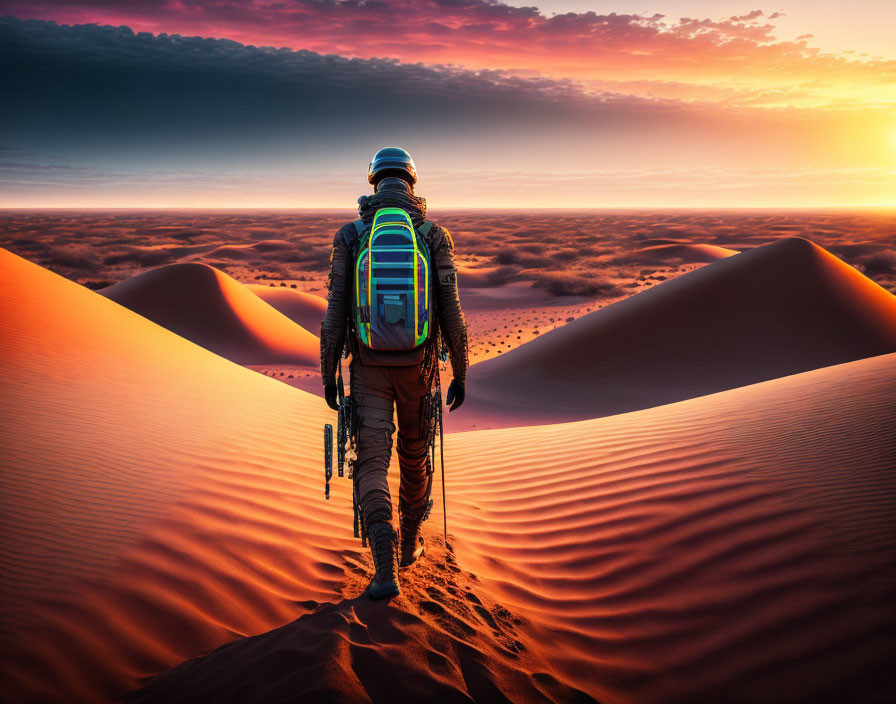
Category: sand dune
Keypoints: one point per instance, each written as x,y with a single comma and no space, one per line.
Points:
156,500
160,501
208,307
685,252
773,311
442,640
476,277
734,547
306,309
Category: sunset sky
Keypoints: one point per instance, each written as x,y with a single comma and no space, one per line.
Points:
216,103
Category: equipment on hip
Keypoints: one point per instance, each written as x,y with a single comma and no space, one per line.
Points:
348,422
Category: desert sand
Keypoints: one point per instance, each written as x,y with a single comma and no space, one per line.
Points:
686,252
305,309
523,273
161,501
208,307
775,310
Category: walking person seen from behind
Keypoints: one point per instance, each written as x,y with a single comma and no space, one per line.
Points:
392,301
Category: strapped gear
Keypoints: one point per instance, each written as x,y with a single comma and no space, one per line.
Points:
346,449
417,322
392,282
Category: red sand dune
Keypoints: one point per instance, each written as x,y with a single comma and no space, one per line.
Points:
734,547
232,251
163,501
208,307
776,310
476,277
686,252
306,309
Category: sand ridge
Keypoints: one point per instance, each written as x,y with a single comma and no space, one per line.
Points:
733,546
302,308
736,546
686,252
208,307
156,502
442,640
776,310
523,272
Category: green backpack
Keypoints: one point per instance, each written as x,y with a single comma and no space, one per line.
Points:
392,301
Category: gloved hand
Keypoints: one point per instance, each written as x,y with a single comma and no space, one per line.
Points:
455,395
330,395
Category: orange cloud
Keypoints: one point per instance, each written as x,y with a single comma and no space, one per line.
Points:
736,60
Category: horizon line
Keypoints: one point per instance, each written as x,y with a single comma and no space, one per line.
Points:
845,206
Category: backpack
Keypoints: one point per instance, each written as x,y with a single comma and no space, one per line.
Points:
391,282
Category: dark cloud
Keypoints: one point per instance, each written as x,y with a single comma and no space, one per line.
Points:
108,109
88,81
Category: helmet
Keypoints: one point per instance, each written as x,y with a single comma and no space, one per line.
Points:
392,161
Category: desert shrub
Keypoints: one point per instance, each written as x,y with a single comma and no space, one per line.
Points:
191,235
96,285
880,263
73,256
273,246
571,283
143,257
566,255
507,256
280,270
25,243
503,274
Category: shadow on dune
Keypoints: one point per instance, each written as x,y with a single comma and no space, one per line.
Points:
208,307
358,650
443,639
766,313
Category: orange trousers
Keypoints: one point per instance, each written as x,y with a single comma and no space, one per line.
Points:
375,392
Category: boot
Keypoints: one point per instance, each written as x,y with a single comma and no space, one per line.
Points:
384,547
411,540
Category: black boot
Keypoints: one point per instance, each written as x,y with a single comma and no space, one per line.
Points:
411,540
384,547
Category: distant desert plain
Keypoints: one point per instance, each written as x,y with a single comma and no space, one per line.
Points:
673,478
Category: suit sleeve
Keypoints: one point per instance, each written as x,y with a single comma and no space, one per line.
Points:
333,328
451,317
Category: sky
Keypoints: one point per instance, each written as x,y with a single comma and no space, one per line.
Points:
574,104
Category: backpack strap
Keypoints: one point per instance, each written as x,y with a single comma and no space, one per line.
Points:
359,230
425,228
351,238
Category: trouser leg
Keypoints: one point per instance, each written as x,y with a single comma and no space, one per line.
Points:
372,393
412,398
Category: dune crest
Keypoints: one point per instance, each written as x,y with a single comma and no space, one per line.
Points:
208,307
688,252
730,547
442,640
160,501
303,308
733,547
157,498
776,310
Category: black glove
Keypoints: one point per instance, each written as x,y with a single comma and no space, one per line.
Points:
330,396
455,395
